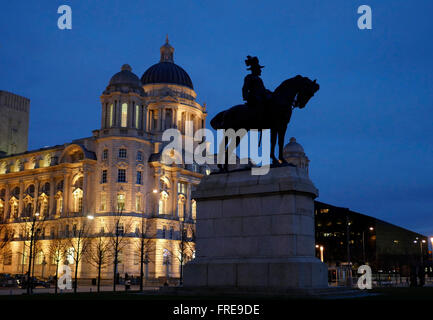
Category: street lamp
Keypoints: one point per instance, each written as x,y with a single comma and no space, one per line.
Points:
420,246
363,244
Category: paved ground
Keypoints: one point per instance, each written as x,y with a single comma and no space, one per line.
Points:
120,288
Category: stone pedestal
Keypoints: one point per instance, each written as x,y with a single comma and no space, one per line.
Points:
256,232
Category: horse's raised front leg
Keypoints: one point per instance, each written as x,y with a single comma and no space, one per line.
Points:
273,143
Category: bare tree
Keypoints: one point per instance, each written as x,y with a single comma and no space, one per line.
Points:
145,246
78,244
118,240
32,231
99,255
184,251
56,249
6,236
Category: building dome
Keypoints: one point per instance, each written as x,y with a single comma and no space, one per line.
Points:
293,147
125,81
294,154
166,71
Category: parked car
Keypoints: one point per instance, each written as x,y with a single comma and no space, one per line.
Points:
35,282
7,280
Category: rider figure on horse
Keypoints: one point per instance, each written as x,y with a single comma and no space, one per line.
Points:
254,91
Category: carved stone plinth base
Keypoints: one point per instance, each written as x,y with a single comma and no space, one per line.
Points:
256,232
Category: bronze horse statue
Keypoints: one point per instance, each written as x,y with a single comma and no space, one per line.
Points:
291,93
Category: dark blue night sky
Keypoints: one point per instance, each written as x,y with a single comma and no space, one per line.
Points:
368,131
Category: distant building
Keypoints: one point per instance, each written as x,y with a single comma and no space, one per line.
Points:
345,237
351,237
14,124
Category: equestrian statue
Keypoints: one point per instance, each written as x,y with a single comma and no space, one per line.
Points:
265,109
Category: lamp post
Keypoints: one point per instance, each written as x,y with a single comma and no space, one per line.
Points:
363,244
420,246
431,240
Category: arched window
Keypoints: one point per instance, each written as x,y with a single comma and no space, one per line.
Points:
120,202
124,115
78,200
137,116
111,115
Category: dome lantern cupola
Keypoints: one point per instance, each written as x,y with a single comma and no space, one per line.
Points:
167,52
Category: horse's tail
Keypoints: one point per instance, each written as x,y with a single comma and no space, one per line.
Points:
217,122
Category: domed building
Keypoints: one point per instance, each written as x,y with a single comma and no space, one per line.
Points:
112,185
294,154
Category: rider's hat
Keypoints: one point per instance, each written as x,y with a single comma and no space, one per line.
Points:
252,62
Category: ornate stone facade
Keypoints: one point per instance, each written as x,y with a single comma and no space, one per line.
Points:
113,180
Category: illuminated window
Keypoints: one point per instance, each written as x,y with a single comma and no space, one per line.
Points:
137,116
78,200
103,202
121,175
181,207
122,153
138,203
194,209
111,115
139,156
104,176
120,202
120,230
139,177
105,154
181,188
124,116
324,210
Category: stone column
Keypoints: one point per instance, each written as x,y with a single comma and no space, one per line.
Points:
36,198
7,205
175,195
51,199
187,213
143,118
86,173
66,194
130,123
118,106
20,201
155,200
163,119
